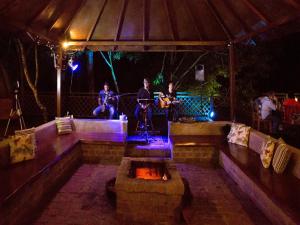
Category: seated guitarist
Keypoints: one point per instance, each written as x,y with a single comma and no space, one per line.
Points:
106,101
144,93
169,102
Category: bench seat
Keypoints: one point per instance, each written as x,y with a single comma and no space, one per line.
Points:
277,191
16,175
200,149
103,138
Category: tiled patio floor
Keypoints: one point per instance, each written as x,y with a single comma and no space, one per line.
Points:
216,199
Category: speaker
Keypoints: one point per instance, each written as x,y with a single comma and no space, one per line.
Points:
199,73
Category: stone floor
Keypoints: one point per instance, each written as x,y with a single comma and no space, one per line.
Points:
216,199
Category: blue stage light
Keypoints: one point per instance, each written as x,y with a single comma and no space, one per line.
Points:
72,65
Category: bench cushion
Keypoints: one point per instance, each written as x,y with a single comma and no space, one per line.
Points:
283,189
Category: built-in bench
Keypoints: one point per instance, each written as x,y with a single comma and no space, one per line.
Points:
277,195
196,142
25,185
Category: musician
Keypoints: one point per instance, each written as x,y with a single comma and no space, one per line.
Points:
106,101
168,100
144,93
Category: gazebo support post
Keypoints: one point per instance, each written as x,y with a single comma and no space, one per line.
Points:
232,74
58,81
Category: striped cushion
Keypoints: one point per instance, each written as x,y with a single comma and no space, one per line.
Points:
281,157
64,125
267,150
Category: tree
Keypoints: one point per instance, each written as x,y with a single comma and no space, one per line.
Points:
31,84
110,57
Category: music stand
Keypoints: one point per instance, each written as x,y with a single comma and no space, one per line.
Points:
147,103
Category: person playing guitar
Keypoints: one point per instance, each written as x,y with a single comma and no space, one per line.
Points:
106,102
168,101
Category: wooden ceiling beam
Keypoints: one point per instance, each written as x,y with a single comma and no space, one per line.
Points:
147,43
294,4
7,6
82,3
198,28
145,22
92,30
121,19
267,28
57,13
256,11
170,16
219,20
37,14
237,17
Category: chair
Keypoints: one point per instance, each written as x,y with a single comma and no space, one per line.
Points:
257,122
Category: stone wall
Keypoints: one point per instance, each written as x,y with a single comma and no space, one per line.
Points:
197,128
204,155
102,153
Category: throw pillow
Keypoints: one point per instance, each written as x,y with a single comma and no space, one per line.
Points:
239,134
267,150
64,125
22,147
281,157
4,153
27,131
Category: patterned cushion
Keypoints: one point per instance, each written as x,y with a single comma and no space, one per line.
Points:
64,125
22,147
239,134
4,153
281,157
267,150
25,131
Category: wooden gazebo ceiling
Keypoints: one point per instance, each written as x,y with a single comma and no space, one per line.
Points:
147,25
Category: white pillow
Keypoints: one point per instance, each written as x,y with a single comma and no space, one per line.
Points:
239,134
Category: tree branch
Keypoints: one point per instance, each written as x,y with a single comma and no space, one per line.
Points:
36,66
105,59
21,52
179,64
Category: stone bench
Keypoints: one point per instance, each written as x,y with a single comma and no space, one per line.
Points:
26,185
277,195
196,142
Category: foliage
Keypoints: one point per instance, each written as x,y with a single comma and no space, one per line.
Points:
132,57
159,79
212,86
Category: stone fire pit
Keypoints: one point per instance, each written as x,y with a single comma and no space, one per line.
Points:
148,201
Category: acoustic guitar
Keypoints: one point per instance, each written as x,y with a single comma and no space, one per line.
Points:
165,103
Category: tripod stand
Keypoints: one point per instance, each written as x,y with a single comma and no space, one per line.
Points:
15,112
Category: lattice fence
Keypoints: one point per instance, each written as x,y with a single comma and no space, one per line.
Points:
82,105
